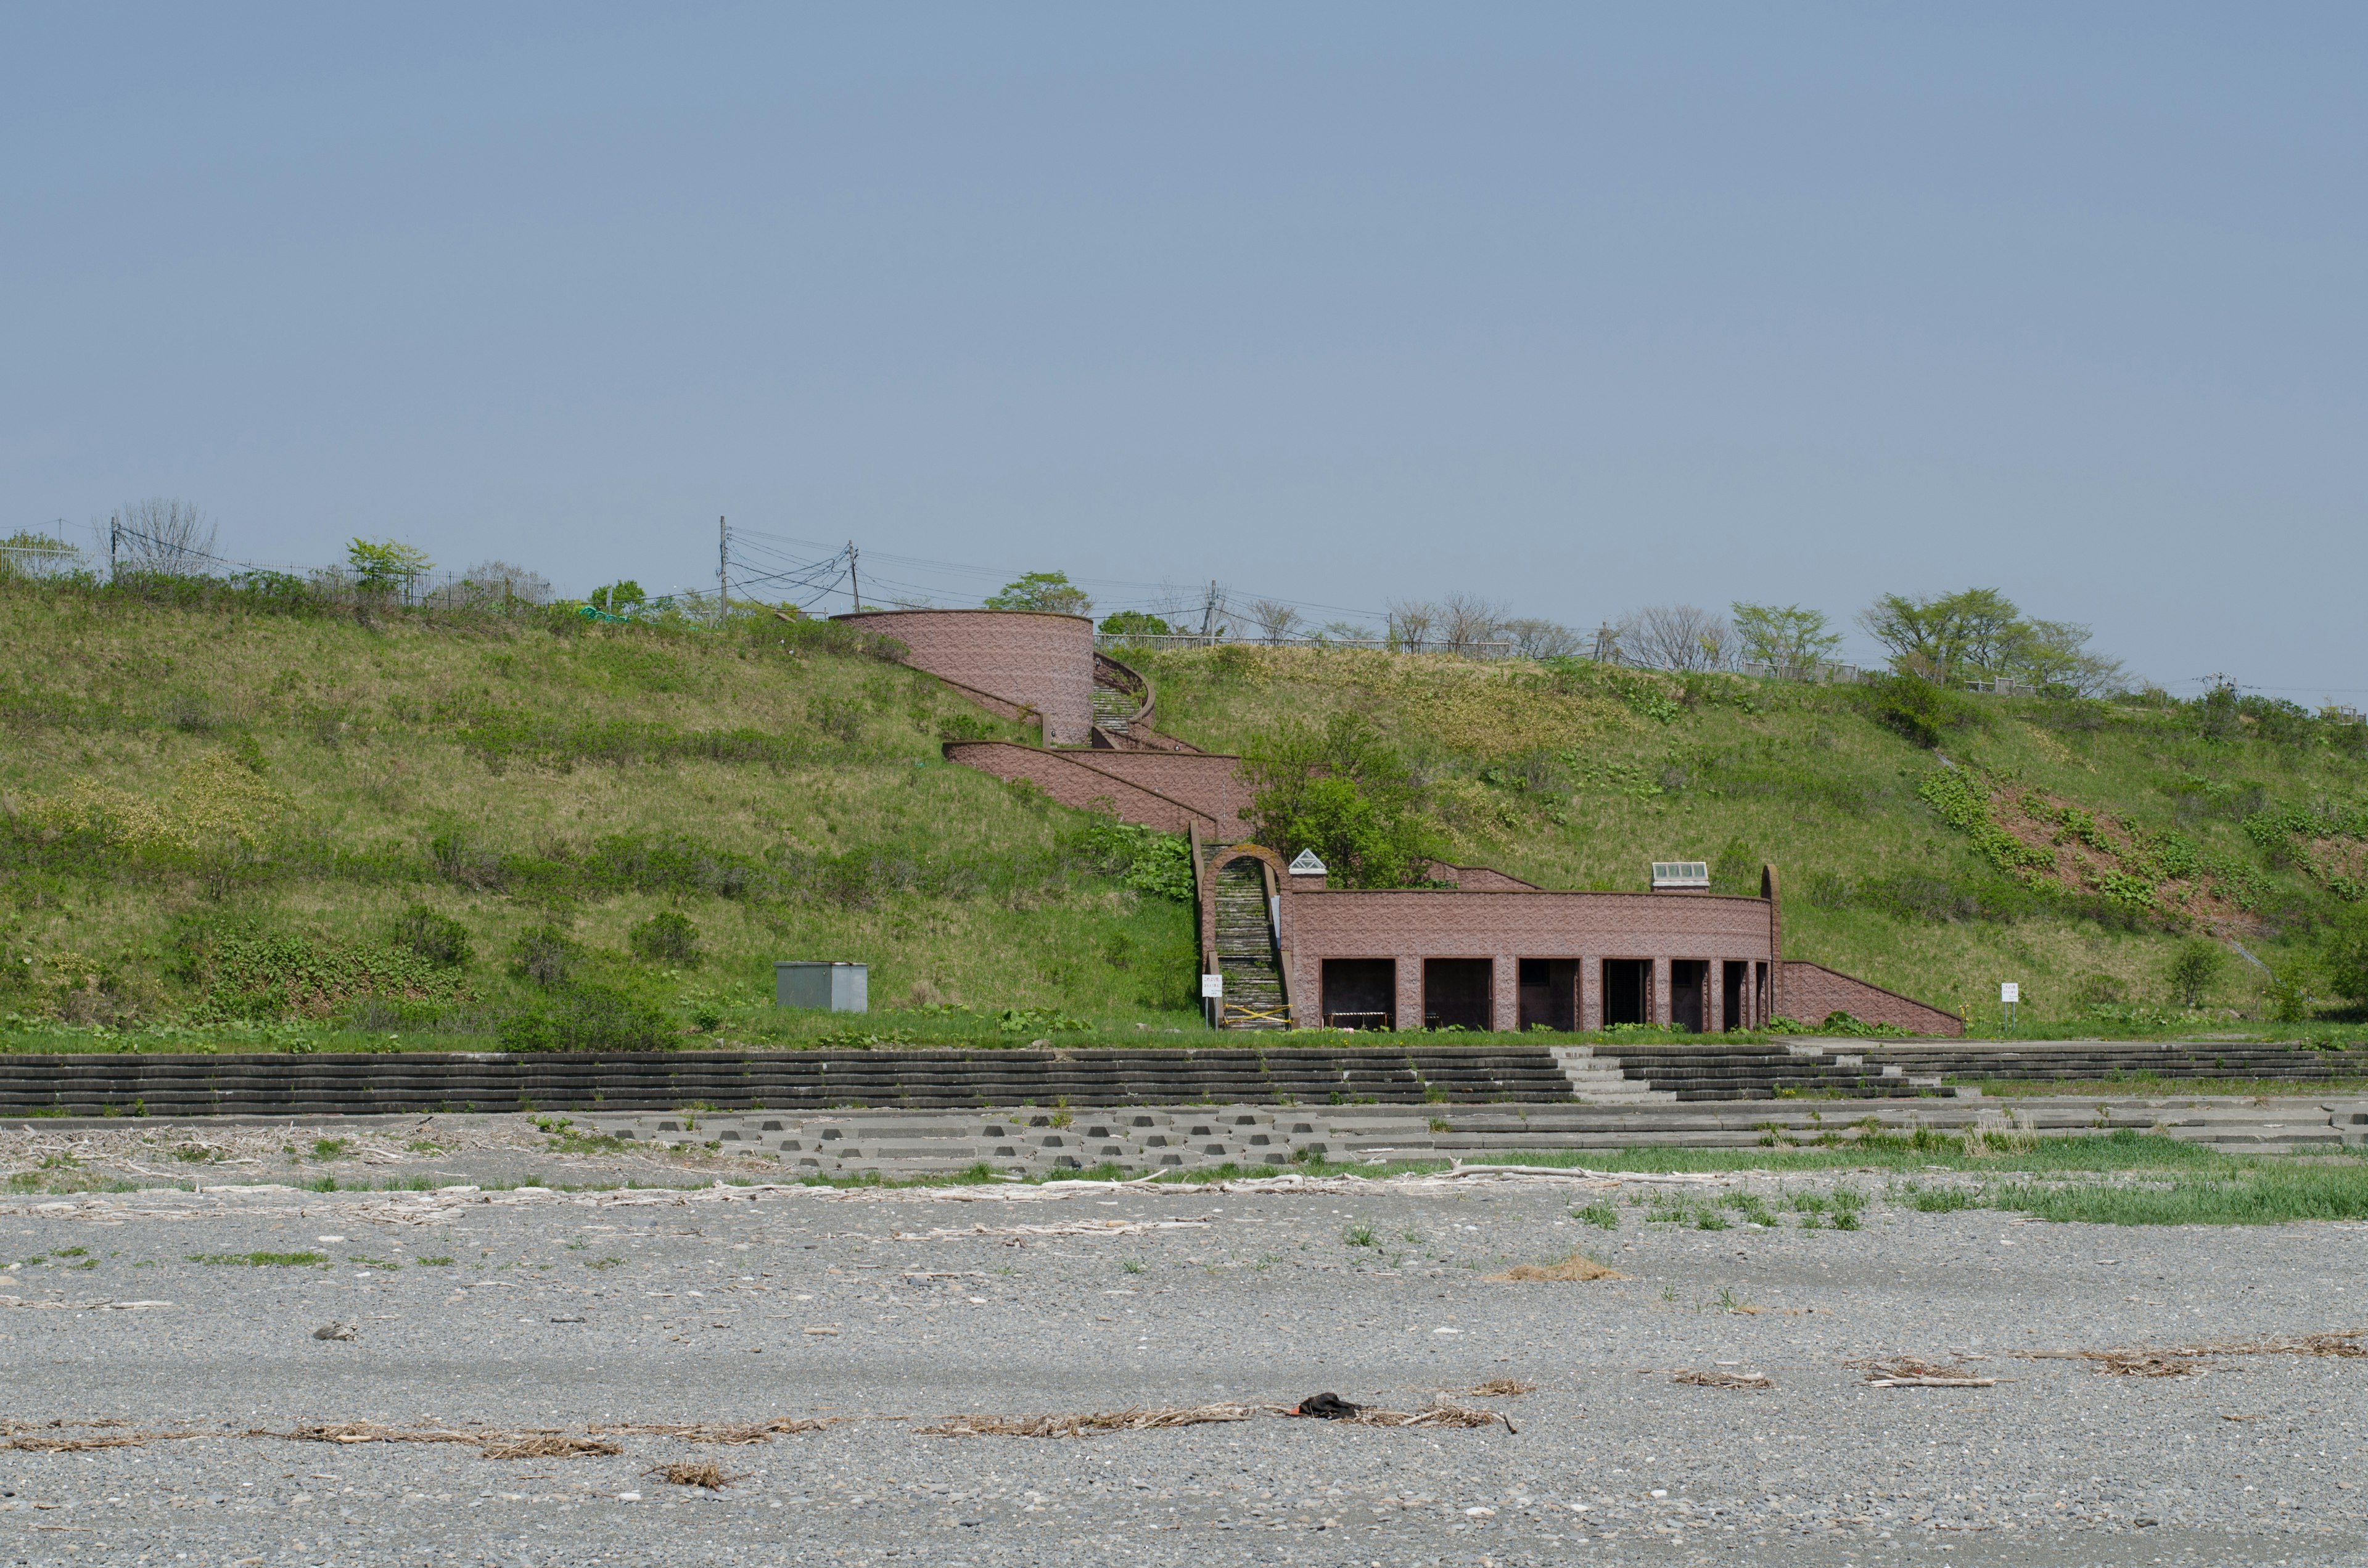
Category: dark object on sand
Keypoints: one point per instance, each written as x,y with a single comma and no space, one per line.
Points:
1324,1406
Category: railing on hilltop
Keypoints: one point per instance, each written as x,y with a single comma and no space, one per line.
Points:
1158,642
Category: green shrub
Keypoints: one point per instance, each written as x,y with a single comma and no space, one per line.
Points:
545,955
1142,858
2193,969
601,1017
440,939
667,936
2345,959
586,1015
1917,709
527,1031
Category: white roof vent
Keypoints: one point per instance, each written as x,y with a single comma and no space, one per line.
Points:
1307,865
1681,874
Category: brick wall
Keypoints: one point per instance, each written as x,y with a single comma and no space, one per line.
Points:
1811,991
1479,879
1507,927
1085,780
1026,658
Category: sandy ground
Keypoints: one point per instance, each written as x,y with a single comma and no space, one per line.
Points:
562,1316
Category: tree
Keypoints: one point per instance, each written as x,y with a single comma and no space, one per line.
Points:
26,553
1410,621
1049,591
1274,618
1978,635
1534,639
1135,623
2056,654
1786,638
169,537
1677,637
499,581
1469,622
2345,958
380,566
1946,637
1344,793
618,598
2193,968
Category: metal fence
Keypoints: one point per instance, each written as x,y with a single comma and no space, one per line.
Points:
1182,640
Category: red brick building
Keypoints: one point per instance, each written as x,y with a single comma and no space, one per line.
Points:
1491,952
1509,957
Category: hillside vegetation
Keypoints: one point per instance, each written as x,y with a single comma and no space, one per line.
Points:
217,816
235,814
2111,858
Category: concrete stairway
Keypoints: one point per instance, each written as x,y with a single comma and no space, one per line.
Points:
2077,1061
1034,1140
1114,709
1688,1072
1245,952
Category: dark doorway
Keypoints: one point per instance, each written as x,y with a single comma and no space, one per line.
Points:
1549,988
1731,993
1360,994
1688,993
1456,994
1627,991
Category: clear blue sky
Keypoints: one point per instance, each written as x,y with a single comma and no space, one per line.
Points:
1579,308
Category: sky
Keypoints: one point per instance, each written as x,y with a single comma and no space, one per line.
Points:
1572,308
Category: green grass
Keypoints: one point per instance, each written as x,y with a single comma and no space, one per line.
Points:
199,805
2261,1193
260,1259
1576,779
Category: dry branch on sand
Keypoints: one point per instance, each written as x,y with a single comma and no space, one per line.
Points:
548,1445
371,1432
1438,1414
2186,1360
1137,1419
529,1445
1151,1418
1502,1388
60,1443
1577,1266
709,1475
1724,1380
747,1432
1908,1372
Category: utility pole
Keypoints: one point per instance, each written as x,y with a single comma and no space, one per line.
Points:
854,584
1209,612
114,538
723,569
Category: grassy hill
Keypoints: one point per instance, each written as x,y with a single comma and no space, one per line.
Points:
236,816
2075,847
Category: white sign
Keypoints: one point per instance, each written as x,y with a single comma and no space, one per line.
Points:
2010,991
1307,865
1213,986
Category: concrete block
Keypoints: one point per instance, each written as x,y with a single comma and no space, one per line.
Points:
834,986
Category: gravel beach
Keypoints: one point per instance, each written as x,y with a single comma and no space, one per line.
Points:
497,1315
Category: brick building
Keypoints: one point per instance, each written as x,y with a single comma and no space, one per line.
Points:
1489,952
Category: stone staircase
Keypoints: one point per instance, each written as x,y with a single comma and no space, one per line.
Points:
1114,709
2083,1061
1038,1141
1695,1073
1245,952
